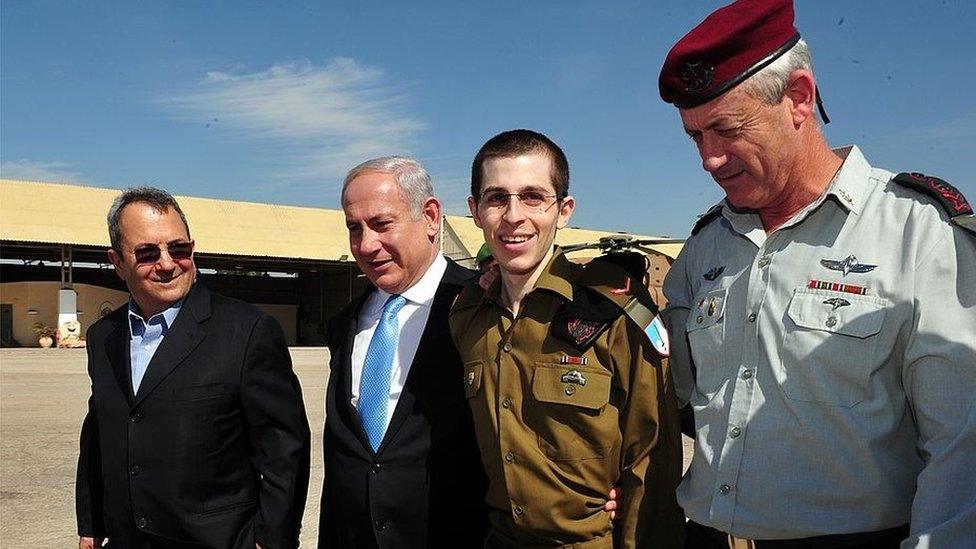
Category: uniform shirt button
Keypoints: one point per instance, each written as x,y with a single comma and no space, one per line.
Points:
375,468
747,373
570,390
142,522
724,489
752,317
831,321
510,457
507,403
135,470
136,417
735,432
507,347
519,511
700,319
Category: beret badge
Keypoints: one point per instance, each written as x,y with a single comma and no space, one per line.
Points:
697,76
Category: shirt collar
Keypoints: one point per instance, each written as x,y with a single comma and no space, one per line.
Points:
848,188
555,277
422,292
137,324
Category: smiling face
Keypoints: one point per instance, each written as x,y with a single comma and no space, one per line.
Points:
158,285
520,237
392,248
745,145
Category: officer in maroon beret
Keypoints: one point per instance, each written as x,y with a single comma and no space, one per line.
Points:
823,315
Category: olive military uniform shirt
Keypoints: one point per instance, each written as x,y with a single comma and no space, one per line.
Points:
555,436
836,366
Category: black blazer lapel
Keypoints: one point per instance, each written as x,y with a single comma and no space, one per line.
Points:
117,351
431,340
184,336
343,389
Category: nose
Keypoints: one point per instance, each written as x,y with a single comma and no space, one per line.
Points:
165,262
369,242
712,152
513,211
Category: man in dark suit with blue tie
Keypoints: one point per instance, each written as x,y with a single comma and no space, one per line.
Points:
196,434
402,468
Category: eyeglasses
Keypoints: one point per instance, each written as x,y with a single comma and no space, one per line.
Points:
497,200
151,253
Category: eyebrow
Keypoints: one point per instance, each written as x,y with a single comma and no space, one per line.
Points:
520,190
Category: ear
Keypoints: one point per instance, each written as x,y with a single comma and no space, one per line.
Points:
473,208
801,90
566,208
432,215
116,260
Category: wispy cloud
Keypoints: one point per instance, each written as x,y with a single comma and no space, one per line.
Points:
37,170
316,121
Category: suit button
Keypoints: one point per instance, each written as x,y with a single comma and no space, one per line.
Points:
375,468
135,470
519,511
507,347
510,457
136,417
507,403
142,522
381,525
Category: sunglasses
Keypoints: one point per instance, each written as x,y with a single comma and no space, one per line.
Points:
151,253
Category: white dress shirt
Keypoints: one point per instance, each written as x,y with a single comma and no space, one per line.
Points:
411,319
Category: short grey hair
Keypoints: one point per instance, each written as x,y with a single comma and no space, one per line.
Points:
769,84
159,199
410,175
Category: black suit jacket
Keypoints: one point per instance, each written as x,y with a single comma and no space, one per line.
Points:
213,451
425,487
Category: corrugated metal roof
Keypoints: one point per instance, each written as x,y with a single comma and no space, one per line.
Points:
72,214
472,237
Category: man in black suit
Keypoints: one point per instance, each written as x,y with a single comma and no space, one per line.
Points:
402,468
196,435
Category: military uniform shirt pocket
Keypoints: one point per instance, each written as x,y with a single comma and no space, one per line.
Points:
706,337
569,400
829,349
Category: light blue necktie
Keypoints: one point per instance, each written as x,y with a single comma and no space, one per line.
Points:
374,386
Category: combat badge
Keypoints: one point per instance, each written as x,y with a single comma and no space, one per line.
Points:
836,303
849,264
697,76
573,376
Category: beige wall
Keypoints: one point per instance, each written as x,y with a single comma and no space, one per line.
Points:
43,298
287,316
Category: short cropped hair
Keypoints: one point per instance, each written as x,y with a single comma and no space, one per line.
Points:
410,176
158,199
769,84
517,143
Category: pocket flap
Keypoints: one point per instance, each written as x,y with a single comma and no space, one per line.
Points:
472,378
837,312
571,384
707,311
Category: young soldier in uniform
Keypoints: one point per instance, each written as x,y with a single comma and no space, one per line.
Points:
830,309
569,395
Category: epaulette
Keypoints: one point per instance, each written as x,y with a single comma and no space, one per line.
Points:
470,296
604,291
706,218
947,196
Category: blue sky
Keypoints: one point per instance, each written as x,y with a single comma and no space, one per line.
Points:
273,101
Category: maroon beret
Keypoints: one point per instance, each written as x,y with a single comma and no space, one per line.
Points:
729,46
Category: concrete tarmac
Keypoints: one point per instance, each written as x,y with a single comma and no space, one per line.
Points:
43,400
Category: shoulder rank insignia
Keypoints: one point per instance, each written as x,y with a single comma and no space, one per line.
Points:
706,218
949,198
